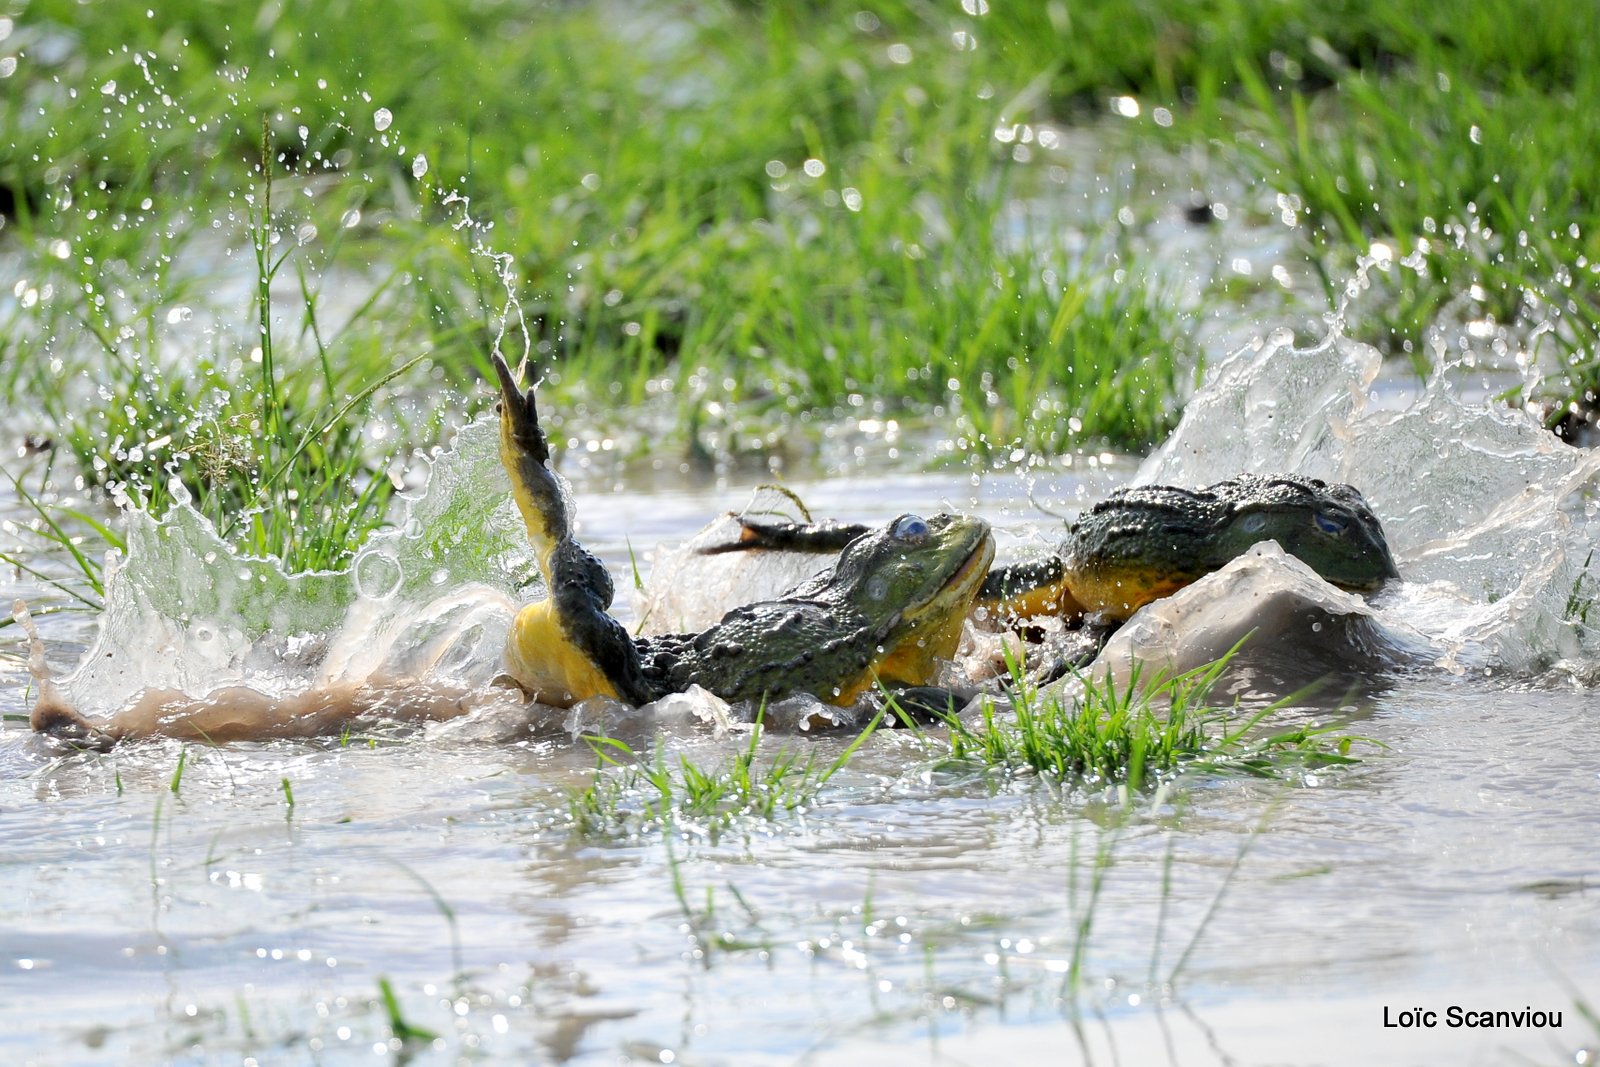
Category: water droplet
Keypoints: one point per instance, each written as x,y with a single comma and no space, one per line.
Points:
419,166
380,119
377,574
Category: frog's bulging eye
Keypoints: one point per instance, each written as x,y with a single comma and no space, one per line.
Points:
1329,524
1255,522
909,528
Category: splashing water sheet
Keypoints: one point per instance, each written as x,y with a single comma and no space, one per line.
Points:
419,891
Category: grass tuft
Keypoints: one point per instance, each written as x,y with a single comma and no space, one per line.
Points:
630,793
1140,735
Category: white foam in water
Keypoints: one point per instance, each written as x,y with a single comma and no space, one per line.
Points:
1478,501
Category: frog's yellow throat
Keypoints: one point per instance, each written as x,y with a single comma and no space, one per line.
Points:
1118,590
914,659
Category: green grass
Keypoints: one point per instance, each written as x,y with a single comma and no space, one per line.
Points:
1137,736
1134,738
631,793
1464,159
774,185
679,194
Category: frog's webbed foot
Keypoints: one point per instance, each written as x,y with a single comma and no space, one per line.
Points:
822,538
68,727
519,414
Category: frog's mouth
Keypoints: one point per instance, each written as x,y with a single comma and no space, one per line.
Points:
976,568
967,577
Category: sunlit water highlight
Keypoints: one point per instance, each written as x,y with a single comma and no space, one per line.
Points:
206,903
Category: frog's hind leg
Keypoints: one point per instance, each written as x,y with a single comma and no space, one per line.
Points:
566,647
525,453
822,538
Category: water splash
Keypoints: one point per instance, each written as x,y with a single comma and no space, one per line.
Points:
692,586
193,634
1480,502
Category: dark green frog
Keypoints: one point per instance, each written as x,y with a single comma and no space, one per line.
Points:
1148,542
1144,543
889,609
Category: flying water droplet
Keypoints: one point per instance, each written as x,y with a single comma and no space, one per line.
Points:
381,119
377,574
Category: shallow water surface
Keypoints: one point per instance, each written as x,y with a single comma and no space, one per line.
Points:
418,894
206,920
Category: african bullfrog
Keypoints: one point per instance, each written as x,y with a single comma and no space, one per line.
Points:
886,612
1144,543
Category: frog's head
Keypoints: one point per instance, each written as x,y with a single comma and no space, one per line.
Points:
913,581
1144,543
1327,526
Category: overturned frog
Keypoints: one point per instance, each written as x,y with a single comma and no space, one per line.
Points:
884,614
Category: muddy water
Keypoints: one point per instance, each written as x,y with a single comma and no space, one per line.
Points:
251,902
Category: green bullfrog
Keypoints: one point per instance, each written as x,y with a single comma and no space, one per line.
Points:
885,613
1147,542
1144,543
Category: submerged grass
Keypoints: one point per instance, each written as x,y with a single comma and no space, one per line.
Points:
1131,738
630,792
